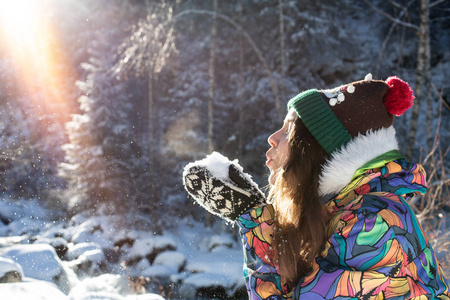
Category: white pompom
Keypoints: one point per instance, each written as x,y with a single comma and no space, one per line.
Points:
368,77
340,98
351,89
333,101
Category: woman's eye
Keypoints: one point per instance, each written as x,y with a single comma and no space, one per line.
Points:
288,130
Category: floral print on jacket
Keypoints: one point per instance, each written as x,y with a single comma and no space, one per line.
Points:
376,247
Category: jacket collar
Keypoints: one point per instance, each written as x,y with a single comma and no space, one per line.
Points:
338,171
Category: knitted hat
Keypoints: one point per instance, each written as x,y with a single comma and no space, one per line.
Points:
337,115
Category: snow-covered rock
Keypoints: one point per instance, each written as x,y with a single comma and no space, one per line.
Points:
25,225
173,259
39,261
113,296
141,248
74,251
17,209
10,271
87,259
149,247
3,228
103,230
144,297
98,296
187,252
164,242
95,256
213,273
36,290
59,244
54,229
159,271
139,268
91,231
6,241
107,284
220,240
209,285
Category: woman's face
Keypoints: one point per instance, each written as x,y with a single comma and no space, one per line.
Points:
279,146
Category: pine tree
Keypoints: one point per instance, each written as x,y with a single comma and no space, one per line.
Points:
103,158
30,140
145,53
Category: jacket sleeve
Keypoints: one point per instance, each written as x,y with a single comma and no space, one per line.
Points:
260,272
329,279
369,253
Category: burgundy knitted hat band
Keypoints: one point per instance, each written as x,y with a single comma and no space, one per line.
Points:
335,116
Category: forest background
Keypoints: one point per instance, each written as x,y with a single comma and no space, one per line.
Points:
103,102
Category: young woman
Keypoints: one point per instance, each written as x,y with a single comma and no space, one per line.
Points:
336,224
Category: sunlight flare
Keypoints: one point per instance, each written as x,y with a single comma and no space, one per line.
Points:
30,39
19,21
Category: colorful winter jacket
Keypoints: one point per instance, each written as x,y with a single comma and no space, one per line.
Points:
376,249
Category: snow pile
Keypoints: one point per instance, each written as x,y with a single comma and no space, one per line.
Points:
143,245
18,219
96,258
107,283
75,251
9,266
173,259
36,290
91,230
39,261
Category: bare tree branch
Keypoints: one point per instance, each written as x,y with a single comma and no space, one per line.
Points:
383,47
391,29
440,97
436,3
249,39
388,16
440,19
396,4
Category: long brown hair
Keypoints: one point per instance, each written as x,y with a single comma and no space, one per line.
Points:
300,219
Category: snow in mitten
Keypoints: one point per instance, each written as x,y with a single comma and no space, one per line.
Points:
221,186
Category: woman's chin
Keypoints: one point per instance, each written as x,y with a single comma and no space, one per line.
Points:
272,178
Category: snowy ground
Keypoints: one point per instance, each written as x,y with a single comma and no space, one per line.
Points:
95,258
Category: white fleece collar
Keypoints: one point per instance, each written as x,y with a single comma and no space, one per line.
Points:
338,171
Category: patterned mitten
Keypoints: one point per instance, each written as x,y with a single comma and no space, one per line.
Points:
221,186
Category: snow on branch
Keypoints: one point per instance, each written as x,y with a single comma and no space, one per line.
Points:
436,3
255,48
395,20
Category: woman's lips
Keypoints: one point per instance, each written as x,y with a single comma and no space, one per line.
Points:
268,160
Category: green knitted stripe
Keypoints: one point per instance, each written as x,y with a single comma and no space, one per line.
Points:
327,131
314,112
320,120
307,103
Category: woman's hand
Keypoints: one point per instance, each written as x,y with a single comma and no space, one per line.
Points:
226,191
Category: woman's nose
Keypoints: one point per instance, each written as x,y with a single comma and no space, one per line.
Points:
272,140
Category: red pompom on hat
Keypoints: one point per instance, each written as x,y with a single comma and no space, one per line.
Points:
399,97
